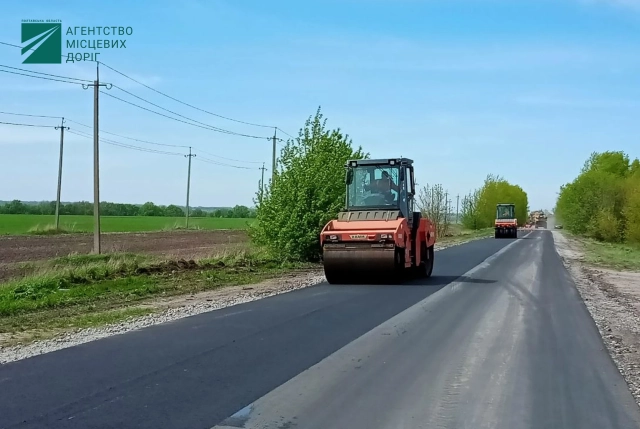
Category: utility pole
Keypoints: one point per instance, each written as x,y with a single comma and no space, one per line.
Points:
62,127
96,158
262,183
188,183
446,203
273,156
457,206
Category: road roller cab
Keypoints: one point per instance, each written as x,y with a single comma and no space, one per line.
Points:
378,234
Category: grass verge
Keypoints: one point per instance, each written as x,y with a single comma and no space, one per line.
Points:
91,290
459,234
43,224
612,255
50,229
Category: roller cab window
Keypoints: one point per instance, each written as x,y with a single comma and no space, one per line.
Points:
373,187
505,212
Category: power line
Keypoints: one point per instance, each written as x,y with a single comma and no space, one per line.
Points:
155,90
185,117
41,77
34,116
47,74
116,143
130,138
210,161
186,104
164,144
124,145
231,159
285,133
28,125
207,127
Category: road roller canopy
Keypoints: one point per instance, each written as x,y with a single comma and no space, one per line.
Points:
506,211
380,184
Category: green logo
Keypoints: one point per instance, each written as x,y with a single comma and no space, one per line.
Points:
43,42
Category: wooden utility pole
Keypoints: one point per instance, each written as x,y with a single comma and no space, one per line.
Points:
96,157
188,183
62,127
273,156
262,183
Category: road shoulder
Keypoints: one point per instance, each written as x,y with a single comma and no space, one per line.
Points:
613,300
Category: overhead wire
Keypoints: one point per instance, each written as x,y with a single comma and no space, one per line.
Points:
41,77
47,74
207,127
286,133
185,117
182,102
34,116
210,161
230,159
116,143
130,138
157,91
165,144
28,125
128,146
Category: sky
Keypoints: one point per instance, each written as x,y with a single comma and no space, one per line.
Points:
521,89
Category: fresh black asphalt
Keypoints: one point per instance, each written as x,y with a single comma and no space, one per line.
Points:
515,334
196,371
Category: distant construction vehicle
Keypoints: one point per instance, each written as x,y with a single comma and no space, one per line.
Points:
538,218
506,225
378,234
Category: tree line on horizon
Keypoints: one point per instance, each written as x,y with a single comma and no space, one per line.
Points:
603,202
85,208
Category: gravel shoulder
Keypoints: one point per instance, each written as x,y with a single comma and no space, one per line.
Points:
172,308
613,299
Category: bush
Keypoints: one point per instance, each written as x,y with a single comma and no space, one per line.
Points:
479,207
308,190
604,200
605,226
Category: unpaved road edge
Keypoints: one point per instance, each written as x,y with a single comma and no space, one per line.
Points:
614,313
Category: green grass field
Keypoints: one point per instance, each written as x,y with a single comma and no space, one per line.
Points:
25,224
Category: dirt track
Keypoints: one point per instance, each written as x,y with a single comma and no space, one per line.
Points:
183,244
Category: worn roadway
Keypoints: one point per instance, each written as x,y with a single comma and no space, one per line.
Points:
497,338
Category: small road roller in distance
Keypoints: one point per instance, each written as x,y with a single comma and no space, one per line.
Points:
506,225
378,235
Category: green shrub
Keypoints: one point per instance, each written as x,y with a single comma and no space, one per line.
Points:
308,190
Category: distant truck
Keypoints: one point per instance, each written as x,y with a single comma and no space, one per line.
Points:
538,218
506,225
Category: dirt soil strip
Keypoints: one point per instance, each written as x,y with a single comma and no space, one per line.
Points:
176,244
613,299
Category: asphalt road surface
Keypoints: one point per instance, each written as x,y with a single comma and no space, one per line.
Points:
497,338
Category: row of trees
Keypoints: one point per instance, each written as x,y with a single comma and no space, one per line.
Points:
117,209
309,188
603,202
479,207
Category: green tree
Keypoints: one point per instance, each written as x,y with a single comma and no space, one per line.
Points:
479,208
240,212
600,201
150,209
174,211
308,190
198,212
